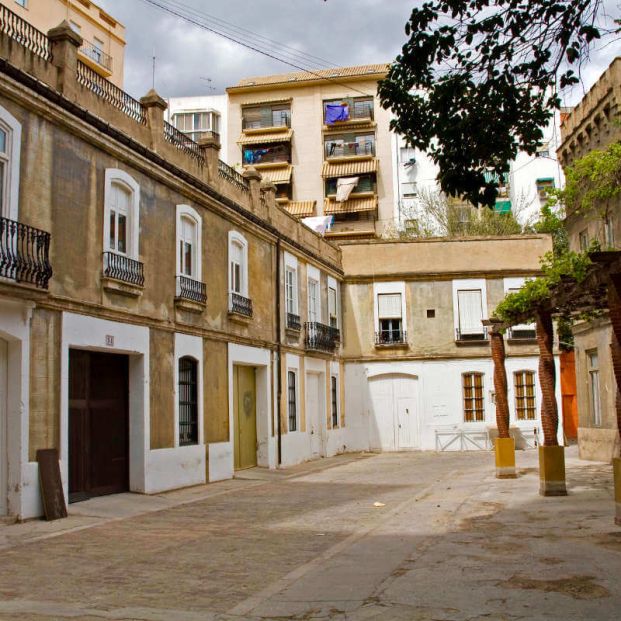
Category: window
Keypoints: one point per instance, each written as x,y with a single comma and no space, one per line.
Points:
238,264
23,3
409,189
292,406
366,183
10,139
267,153
355,108
194,124
583,240
525,407
270,115
543,187
313,300
291,290
188,401
349,144
121,197
543,150
75,27
188,242
332,306
389,312
474,408
594,392
470,310
334,401
609,233
407,156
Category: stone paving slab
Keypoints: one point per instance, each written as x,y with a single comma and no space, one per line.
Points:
450,543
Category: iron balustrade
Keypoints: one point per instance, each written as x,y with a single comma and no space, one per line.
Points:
182,141
240,304
24,253
25,34
293,322
471,336
349,149
522,334
391,338
321,337
96,54
120,267
232,176
116,97
356,113
190,289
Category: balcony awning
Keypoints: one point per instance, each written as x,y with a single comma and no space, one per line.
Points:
300,209
348,169
353,205
266,138
277,175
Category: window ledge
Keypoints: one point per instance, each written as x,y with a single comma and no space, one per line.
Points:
473,342
189,305
239,317
121,287
339,125
392,345
529,341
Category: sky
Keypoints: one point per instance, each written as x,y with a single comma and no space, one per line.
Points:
192,61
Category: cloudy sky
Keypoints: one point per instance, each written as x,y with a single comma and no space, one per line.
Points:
341,32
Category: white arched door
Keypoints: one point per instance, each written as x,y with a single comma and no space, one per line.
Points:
3,428
393,412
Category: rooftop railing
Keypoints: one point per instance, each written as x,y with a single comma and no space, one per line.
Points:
232,176
24,253
19,29
182,141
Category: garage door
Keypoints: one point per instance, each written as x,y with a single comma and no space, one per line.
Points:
393,415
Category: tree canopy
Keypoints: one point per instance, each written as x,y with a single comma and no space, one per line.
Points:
477,81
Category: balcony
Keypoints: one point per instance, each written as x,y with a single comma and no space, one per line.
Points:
391,339
122,274
320,337
240,305
24,253
335,149
191,294
283,121
357,113
471,338
293,322
96,58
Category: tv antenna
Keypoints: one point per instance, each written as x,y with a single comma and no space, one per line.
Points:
209,86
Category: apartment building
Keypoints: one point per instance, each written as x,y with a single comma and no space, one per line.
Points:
103,45
594,124
323,139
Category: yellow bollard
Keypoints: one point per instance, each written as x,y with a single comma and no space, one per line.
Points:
552,471
505,458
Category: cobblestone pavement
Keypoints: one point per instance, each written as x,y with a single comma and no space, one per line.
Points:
450,542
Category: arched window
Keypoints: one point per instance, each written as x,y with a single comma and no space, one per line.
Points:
474,404
525,406
120,217
10,141
121,213
188,242
188,401
238,264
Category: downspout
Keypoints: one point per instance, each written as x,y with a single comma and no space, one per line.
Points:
279,354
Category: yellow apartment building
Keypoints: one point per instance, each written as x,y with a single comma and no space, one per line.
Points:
103,46
311,133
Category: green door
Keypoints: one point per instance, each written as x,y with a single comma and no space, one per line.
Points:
245,417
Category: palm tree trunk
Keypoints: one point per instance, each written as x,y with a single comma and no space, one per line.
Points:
500,384
547,378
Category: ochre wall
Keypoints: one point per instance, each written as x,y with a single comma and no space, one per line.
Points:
216,391
161,347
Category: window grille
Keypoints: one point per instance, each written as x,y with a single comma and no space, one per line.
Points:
292,401
188,401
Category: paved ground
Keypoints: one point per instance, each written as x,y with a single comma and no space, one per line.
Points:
449,543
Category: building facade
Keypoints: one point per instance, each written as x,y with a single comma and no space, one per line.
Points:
311,133
103,45
594,124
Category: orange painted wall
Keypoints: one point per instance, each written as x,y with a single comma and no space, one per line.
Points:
568,392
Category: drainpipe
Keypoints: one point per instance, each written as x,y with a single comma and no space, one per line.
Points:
279,353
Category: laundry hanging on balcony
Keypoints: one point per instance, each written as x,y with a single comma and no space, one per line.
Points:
319,224
336,113
253,156
344,187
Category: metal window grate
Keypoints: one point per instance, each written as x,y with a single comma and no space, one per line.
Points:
321,337
335,409
188,401
291,401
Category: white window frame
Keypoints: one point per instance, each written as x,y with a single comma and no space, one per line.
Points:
382,288
595,397
469,284
237,238
13,129
291,266
115,175
313,274
333,284
185,211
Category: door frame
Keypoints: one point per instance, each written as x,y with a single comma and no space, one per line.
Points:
315,366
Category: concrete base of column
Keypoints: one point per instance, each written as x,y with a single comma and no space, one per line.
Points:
505,458
616,471
552,471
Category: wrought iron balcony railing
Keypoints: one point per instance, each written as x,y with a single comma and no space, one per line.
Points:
391,338
240,304
293,322
321,337
464,337
192,290
24,253
348,149
120,267
97,55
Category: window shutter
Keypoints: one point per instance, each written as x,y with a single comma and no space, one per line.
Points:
389,305
470,311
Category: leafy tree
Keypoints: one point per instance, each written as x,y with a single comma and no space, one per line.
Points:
476,82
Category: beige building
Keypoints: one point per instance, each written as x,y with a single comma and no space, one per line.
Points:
307,131
594,124
103,46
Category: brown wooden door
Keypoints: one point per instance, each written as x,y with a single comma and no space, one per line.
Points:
98,424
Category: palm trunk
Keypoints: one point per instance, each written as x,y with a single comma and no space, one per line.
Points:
547,378
500,384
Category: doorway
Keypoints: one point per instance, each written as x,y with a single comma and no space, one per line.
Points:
4,458
245,416
98,424
315,412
